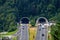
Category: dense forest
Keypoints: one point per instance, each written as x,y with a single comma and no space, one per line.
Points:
11,11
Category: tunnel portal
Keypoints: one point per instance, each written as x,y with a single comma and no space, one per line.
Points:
41,20
25,20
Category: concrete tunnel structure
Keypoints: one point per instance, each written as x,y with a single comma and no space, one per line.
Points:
24,20
24,33
42,20
42,29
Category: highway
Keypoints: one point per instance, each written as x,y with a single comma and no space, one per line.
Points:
41,33
24,34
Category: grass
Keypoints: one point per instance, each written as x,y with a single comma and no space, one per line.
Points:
8,34
49,37
32,34
11,33
15,38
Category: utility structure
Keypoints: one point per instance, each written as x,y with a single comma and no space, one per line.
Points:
24,34
42,29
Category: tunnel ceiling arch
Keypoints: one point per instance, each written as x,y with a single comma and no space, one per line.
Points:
24,20
42,20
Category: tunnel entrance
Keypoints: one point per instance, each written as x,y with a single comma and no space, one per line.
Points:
42,20
25,20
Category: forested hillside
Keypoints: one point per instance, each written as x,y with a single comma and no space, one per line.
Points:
12,10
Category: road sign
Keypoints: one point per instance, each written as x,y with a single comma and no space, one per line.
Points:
24,34
42,29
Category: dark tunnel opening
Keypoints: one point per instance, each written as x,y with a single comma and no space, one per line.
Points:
42,20
25,21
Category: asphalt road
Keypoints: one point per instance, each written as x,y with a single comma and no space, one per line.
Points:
24,34
41,33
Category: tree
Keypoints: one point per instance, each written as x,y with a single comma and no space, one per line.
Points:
55,30
7,16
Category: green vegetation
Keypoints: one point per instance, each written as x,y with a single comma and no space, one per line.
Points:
11,33
55,29
8,34
32,33
15,38
11,11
